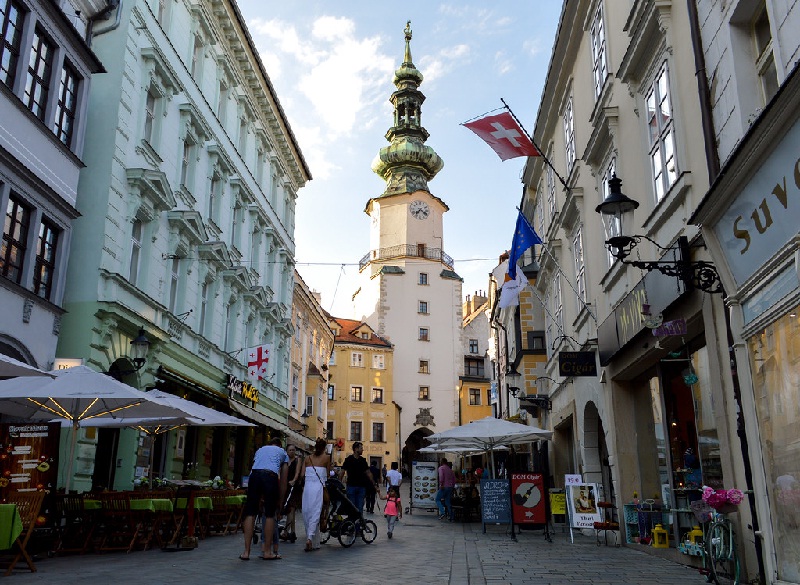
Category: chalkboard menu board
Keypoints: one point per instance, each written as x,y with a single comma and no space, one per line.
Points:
495,501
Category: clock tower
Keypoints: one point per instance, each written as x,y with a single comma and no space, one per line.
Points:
410,293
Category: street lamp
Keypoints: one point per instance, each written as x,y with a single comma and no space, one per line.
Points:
533,402
140,346
616,210
513,380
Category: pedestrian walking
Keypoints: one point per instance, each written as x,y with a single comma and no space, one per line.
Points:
447,481
393,477
317,468
267,482
295,497
358,476
373,488
393,510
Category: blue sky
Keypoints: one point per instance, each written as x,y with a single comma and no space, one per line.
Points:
332,64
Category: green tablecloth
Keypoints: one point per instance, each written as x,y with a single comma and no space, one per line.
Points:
237,500
200,503
92,505
152,505
10,525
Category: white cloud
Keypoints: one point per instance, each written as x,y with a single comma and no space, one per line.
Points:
503,63
533,47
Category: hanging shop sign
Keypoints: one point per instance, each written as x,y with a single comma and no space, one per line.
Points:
242,391
527,499
674,327
577,363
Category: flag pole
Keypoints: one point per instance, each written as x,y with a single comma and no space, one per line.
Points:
541,152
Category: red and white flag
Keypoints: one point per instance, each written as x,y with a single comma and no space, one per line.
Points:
504,135
257,361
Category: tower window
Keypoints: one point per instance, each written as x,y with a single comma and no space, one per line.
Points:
423,278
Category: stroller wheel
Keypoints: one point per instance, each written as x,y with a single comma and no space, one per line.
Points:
347,533
369,531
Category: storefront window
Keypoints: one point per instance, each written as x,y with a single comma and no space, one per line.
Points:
775,363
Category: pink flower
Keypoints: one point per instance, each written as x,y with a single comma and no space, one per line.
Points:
735,496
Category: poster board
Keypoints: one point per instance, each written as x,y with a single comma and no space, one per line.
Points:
582,505
527,498
495,502
424,484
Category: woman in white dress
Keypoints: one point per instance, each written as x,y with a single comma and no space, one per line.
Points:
318,466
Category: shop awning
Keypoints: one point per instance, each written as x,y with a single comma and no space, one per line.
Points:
262,419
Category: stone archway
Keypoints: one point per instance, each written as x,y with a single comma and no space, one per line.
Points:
596,466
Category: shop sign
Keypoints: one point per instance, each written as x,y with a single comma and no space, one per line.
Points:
763,216
242,390
674,327
577,363
527,501
66,363
582,503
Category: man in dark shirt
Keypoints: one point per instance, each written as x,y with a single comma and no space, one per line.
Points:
358,476
372,489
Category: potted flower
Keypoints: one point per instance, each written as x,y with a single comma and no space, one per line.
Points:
723,501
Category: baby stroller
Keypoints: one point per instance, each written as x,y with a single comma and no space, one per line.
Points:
344,521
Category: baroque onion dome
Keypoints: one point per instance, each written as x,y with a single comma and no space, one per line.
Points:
407,164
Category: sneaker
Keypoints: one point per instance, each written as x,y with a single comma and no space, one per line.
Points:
389,535
442,516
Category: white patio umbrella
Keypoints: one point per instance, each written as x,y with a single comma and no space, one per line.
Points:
487,433
77,395
10,368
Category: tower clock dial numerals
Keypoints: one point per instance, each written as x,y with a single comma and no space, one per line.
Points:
419,209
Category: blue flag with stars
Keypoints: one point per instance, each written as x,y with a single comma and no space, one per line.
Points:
524,238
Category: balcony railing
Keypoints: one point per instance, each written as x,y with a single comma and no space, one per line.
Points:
406,251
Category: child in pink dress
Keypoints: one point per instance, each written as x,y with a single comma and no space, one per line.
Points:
393,510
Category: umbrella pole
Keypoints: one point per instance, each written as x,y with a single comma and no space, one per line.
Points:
73,440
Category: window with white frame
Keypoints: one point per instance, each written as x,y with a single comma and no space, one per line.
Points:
230,324
377,395
424,367
424,393
551,191
222,102
203,316
309,406
356,359
174,280
355,430
424,334
599,63
569,134
295,388
197,59
356,394
332,359
377,361
580,266
136,251
661,130
613,229
423,278
331,392
558,306
423,308
187,164
473,346
540,210
214,196
377,432
474,396
765,59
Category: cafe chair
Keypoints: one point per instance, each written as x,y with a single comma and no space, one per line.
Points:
28,506
608,523
75,525
119,526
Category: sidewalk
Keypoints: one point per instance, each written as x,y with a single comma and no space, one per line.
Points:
424,550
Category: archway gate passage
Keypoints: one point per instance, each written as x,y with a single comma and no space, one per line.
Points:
596,466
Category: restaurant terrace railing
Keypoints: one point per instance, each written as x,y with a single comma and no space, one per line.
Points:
406,251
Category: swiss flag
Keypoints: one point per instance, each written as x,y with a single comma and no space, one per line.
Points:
504,135
257,361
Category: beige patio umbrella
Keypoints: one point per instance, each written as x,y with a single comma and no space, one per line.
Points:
11,368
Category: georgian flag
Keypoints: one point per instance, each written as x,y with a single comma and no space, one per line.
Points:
504,135
257,361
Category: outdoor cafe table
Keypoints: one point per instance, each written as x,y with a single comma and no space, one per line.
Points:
10,525
236,500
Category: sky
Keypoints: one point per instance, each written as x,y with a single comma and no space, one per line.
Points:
332,63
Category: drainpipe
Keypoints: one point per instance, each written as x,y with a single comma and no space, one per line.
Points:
704,94
101,15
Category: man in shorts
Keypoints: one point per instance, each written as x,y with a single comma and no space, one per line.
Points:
267,481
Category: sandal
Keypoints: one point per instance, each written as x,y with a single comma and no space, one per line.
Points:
308,546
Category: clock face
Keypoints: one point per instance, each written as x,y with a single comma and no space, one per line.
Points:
419,209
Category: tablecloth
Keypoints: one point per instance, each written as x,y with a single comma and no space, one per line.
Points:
10,525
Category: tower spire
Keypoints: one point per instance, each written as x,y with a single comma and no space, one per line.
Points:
407,164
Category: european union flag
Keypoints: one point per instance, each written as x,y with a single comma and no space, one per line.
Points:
524,238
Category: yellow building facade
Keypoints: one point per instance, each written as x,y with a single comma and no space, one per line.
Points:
360,394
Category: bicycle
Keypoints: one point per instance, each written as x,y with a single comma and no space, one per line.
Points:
720,558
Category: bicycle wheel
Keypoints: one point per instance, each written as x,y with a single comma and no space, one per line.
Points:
325,535
723,560
369,531
347,533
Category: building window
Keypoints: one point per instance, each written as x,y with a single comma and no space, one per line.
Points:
423,334
15,236
45,259
423,367
203,308
174,279
331,391
39,69
551,192
424,393
149,115
765,59
242,136
11,19
473,346
599,64
356,394
377,395
580,267
377,432
474,396
332,359
356,359
377,361
309,406
364,335
136,251
423,307
295,388
187,163
197,59
214,196
329,429
569,135
423,278
474,367
662,133
222,104
355,430
66,105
